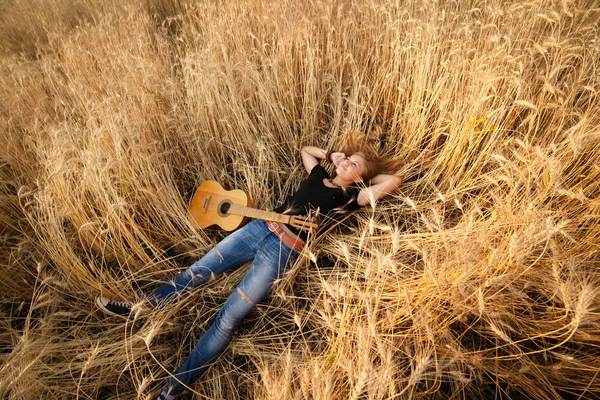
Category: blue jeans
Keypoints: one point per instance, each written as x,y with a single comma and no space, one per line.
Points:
271,258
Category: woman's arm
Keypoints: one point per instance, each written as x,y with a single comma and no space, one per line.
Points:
311,156
380,186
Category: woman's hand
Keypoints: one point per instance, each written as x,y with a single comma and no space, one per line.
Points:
337,157
311,156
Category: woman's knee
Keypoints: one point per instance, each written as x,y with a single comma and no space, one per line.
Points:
234,310
200,272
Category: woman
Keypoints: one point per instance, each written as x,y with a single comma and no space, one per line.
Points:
274,247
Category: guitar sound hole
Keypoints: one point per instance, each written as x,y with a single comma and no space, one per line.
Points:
223,208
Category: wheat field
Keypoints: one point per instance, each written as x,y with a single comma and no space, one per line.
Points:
479,278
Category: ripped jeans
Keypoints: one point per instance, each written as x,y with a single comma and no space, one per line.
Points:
271,258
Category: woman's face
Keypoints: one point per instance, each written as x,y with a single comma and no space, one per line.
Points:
351,168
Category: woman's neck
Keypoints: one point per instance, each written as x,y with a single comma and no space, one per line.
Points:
341,182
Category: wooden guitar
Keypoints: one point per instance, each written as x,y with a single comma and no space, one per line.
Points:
212,205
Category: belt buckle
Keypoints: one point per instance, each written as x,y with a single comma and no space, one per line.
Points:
272,226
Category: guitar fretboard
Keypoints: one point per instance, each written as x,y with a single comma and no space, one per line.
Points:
258,214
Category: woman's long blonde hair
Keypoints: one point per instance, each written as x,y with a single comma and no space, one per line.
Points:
368,146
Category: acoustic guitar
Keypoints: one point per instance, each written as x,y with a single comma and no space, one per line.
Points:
212,205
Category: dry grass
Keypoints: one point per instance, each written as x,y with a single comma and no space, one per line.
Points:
478,279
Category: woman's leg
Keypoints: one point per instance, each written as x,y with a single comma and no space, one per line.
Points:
271,261
237,248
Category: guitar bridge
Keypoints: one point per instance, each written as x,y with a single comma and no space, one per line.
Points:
205,206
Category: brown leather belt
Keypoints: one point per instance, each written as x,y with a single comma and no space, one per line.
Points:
292,243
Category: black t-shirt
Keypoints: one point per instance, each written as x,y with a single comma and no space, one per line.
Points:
315,199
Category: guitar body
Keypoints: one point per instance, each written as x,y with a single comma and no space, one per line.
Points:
210,205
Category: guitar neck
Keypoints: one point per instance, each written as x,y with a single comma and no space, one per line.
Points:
258,214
